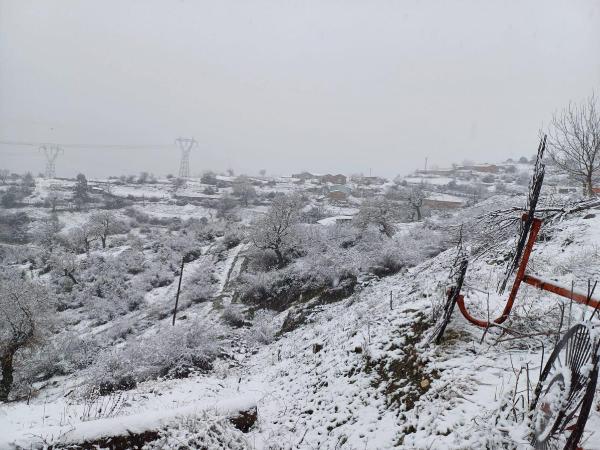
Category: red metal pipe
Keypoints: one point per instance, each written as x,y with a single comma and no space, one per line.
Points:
535,229
529,279
562,291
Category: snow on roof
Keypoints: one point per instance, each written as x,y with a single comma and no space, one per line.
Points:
328,221
431,180
445,198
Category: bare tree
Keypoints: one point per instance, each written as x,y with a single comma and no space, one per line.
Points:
574,142
45,231
65,264
415,198
81,237
53,198
4,175
276,230
378,211
243,189
225,206
80,193
178,183
23,311
103,224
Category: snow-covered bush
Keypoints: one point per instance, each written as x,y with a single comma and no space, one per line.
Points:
172,352
584,265
112,371
232,237
45,232
233,316
103,285
59,355
279,289
26,311
157,276
201,286
263,329
133,260
379,212
201,432
261,260
388,261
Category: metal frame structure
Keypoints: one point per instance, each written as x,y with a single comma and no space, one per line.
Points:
565,391
186,145
524,277
51,152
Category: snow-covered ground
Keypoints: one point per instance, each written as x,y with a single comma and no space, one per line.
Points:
359,373
337,381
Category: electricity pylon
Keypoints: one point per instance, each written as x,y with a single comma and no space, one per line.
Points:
185,145
51,151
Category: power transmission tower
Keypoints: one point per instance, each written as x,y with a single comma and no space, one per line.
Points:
185,145
51,151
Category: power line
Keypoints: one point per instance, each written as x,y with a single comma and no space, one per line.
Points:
85,146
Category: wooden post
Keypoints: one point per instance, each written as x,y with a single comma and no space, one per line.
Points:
391,301
178,289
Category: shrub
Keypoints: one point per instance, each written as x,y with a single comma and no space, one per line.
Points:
232,238
277,290
201,286
202,432
233,316
263,329
173,352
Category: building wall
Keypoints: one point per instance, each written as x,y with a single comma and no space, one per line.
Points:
441,204
335,179
338,195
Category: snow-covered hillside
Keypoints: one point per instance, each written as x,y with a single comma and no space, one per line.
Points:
338,371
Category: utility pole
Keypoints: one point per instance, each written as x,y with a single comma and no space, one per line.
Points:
51,151
185,145
178,289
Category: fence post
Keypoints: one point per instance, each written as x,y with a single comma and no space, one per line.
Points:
178,289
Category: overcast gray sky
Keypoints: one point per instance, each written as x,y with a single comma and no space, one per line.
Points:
328,86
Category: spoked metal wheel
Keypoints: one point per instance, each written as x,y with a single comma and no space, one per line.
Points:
565,391
459,272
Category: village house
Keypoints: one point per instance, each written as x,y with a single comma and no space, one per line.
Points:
440,172
443,201
486,168
335,220
304,176
333,179
338,192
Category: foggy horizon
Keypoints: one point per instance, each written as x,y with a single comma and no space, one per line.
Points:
344,87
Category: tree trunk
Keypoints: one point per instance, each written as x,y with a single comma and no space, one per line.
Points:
70,275
103,241
418,210
6,363
280,260
589,184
